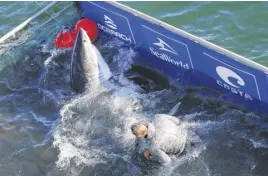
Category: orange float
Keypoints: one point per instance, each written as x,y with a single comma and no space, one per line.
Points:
89,26
65,39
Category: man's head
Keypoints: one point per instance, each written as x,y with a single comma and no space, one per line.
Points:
140,129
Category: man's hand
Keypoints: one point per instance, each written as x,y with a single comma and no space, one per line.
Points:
146,154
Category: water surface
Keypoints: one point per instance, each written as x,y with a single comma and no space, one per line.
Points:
46,129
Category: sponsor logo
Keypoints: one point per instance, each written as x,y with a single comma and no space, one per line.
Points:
109,22
111,28
165,47
226,75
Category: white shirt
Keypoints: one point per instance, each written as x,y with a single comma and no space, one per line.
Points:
167,136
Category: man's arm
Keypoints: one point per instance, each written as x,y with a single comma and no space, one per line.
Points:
160,156
142,144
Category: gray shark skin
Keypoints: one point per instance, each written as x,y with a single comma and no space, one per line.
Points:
87,65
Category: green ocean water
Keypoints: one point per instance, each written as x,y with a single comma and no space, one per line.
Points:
46,129
237,26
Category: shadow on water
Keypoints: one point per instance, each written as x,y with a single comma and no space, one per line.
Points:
42,122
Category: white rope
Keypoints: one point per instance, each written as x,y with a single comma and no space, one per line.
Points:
26,22
51,16
59,13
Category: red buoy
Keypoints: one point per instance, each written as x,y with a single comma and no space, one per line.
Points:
64,39
89,26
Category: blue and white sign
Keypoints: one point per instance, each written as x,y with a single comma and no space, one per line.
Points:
167,49
112,23
235,80
183,57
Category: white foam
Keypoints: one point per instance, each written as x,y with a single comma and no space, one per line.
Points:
259,144
94,121
86,136
95,126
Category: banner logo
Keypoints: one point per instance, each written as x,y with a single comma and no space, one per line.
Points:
226,74
165,47
109,22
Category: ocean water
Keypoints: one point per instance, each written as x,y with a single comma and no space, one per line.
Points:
46,129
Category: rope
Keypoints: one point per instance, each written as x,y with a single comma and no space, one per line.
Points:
56,16
51,16
26,22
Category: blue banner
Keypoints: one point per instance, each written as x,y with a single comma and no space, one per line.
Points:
176,56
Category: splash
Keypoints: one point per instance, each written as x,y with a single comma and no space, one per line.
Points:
94,136
95,125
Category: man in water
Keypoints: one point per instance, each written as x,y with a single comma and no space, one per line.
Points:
167,135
